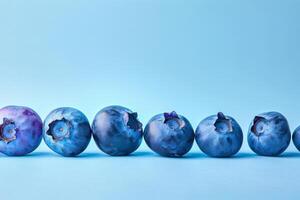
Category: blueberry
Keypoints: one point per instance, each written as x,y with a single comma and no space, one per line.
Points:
117,130
269,134
67,131
169,134
219,136
296,138
20,130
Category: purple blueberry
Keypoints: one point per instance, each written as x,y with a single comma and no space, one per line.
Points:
20,130
169,134
296,138
269,134
219,136
117,130
67,131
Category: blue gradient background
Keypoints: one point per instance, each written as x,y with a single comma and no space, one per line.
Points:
197,57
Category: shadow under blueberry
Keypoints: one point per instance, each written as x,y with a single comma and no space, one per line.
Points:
90,155
31,155
142,154
150,154
240,155
290,155
103,155
244,155
39,154
193,155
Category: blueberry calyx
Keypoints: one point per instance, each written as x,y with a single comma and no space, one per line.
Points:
132,122
170,116
223,124
59,129
258,125
8,131
173,120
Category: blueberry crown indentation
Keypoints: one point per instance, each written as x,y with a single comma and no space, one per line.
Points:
173,116
223,124
51,129
255,128
131,120
12,133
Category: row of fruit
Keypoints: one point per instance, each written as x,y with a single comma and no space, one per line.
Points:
118,132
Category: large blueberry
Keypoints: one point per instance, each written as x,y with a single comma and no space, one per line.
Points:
117,130
20,130
269,134
67,131
296,138
219,136
169,134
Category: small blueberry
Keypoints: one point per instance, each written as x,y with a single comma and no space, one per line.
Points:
219,136
20,130
269,134
117,130
296,138
67,131
169,134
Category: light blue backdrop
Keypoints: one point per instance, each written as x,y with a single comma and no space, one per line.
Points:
196,57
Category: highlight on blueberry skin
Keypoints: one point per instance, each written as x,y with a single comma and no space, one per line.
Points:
169,134
269,134
67,131
296,138
20,130
219,136
117,131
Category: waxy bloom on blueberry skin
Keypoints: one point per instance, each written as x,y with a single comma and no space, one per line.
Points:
67,131
219,136
296,138
169,134
117,130
269,134
20,130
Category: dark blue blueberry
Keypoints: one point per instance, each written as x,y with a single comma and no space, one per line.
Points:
20,130
269,134
219,136
169,134
117,130
296,138
67,131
